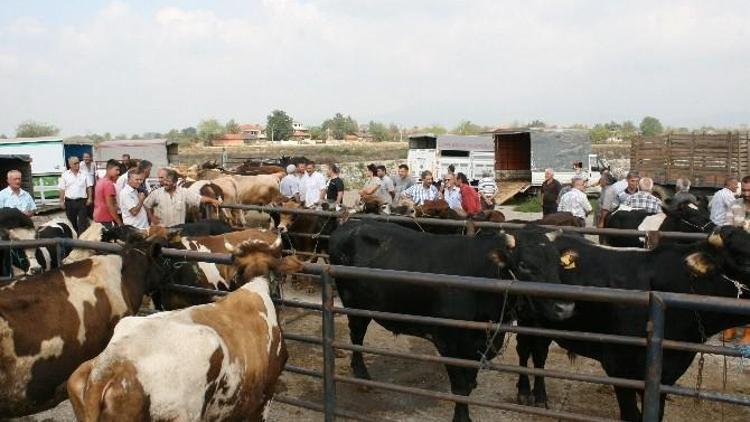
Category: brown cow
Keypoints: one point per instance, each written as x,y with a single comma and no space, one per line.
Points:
52,322
208,362
248,190
204,188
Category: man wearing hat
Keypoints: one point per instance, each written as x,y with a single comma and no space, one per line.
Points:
289,185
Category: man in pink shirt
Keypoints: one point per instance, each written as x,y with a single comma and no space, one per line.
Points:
105,197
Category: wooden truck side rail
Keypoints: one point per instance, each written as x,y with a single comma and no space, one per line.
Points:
706,159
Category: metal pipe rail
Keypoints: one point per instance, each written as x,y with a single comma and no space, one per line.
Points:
463,223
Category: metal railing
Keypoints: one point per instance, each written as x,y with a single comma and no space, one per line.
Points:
654,342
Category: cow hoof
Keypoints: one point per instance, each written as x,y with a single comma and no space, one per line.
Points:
525,399
362,374
541,403
340,353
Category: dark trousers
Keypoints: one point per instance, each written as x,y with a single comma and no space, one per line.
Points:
549,209
77,213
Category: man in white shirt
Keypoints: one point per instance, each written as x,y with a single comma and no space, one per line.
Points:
723,200
387,187
314,184
131,202
576,202
75,194
15,197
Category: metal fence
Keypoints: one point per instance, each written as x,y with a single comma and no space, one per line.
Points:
656,302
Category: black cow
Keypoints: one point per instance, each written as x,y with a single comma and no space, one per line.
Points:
528,255
203,228
46,257
713,267
684,217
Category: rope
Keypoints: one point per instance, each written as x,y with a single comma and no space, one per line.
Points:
484,361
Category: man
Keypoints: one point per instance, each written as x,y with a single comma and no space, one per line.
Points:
127,162
738,216
631,188
387,187
131,202
402,182
167,205
161,176
335,188
289,186
144,168
424,191
605,198
644,199
123,179
682,186
15,197
469,197
576,202
550,192
722,200
75,195
579,173
314,185
451,192
105,198
487,190
89,166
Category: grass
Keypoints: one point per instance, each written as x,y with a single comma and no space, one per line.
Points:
534,204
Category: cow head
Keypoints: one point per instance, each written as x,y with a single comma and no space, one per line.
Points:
732,245
25,259
687,217
532,256
141,269
286,219
258,256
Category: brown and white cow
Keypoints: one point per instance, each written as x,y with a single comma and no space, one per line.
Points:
16,225
52,322
217,361
248,190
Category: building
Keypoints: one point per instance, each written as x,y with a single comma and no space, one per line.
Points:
252,131
229,140
300,131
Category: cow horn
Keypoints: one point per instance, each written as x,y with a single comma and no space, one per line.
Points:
228,246
552,236
715,240
510,241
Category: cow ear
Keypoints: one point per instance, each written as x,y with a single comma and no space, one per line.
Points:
715,240
569,259
510,241
699,264
552,236
499,258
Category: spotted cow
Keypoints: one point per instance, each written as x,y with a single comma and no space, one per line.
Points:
221,360
16,225
52,322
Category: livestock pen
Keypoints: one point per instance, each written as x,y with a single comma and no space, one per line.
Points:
656,302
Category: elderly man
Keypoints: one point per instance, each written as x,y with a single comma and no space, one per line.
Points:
576,202
451,192
722,200
75,194
550,192
424,191
289,186
167,206
314,186
15,197
682,186
644,199
131,202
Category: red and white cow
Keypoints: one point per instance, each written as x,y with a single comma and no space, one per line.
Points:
218,361
52,322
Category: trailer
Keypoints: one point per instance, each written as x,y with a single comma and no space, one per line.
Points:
705,159
522,155
159,151
471,155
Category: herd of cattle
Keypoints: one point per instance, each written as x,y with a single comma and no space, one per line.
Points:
68,329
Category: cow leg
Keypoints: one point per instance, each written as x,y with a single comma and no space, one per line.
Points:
524,345
357,331
463,381
539,355
626,399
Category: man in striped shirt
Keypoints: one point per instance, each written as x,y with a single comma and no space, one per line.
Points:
576,202
423,191
722,201
487,190
644,199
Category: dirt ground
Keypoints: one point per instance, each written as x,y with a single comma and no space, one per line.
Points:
569,396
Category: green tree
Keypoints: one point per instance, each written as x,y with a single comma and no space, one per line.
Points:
232,126
628,130
340,126
279,126
210,129
537,123
395,132
378,131
33,129
651,126
466,127
599,133
317,132
189,132
434,129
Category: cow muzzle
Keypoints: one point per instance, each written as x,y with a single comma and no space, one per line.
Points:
562,310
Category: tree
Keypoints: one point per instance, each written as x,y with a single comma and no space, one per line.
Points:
599,133
537,123
33,129
279,126
340,126
628,130
378,131
189,131
316,132
395,132
210,129
232,126
466,127
434,129
651,126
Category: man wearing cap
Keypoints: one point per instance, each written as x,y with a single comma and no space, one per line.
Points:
289,185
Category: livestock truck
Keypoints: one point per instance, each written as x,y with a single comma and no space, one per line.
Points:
705,159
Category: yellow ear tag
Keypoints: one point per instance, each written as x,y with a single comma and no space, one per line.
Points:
568,261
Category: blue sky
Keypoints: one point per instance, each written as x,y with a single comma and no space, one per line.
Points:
135,66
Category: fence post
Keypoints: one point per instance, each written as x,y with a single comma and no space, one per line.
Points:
329,354
654,355
59,248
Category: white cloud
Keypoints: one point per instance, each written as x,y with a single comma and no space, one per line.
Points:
26,26
127,70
